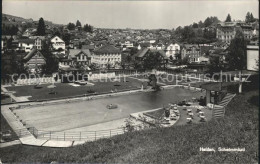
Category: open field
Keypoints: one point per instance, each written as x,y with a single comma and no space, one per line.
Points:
65,89
177,144
69,116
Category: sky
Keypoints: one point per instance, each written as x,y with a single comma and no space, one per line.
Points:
131,14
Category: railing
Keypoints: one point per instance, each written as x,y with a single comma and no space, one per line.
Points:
73,136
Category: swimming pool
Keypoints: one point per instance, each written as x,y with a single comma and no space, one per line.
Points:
69,116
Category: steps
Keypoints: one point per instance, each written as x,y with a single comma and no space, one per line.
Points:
219,109
226,99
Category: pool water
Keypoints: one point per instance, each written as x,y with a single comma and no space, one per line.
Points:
79,114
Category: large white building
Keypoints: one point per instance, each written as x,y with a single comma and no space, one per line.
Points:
107,55
226,31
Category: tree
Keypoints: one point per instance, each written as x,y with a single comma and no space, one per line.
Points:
88,28
210,21
252,18
195,25
9,29
236,57
41,27
228,19
249,17
216,65
78,24
153,60
51,64
188,33
66,38
133,51
200,24
184,61
71,26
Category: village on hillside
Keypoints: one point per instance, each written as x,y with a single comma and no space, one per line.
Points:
76,93
33,45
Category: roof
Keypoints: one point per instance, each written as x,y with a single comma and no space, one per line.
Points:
217,51
31,54
162,53
146,44
74,52
60,56
220,43
27,41
141,52
189,46
107,49
90,47
35,37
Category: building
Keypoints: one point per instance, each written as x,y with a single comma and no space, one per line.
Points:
253,57
127,44
26,44
220,45
34,61
107,55
226,31
29,32
38,41
142,54
79,57
192,52
58,45
172,50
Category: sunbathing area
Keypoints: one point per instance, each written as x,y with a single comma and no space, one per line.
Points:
64,90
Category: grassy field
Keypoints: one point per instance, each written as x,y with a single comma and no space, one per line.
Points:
178,144
64,90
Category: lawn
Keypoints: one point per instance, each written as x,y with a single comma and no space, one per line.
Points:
177,144
65,90
5,99
5,127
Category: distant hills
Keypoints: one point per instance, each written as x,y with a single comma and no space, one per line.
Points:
15,20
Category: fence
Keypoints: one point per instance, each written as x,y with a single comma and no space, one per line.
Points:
72,136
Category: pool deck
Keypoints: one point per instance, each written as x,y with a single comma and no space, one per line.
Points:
29,138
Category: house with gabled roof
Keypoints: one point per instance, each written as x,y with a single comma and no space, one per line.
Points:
172,50
34,60
141,55
80,56
58,45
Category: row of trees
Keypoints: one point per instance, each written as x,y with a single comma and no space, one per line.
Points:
86,27
9,29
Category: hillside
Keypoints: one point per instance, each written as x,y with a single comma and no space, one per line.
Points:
15,20
179,144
